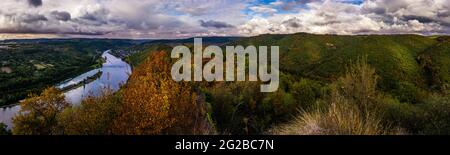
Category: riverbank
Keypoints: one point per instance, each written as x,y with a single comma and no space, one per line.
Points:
89,79
30,67
113,73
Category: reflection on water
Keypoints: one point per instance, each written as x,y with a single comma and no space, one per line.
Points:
7,113
78,79
115,72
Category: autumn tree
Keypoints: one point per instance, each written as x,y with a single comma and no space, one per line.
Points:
153,103
38,115
94,116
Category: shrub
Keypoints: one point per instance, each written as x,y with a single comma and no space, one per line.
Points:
305,93
286,81
38,115
408,92
359,85
4,129
437,115
431,116
353,108
406,115
94,116
282,104
237,108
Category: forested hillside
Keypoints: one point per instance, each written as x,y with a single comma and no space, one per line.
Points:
28,66
330,84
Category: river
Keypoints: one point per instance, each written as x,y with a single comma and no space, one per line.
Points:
115,72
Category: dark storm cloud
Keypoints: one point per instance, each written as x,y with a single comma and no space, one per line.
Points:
31,18
419,18
61,15
215,24
119,18
97,18
35,3
30,30
293,22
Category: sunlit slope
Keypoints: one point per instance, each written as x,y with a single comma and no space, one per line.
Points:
395,57
146,50
436,64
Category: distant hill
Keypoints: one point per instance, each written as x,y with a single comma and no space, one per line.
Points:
420,60
205,40
423,61
407,95
136,54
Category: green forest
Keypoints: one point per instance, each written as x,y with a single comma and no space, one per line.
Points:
329,85
28,66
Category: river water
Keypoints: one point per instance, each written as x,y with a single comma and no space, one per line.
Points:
115,72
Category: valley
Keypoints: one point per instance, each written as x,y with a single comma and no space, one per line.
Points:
368,84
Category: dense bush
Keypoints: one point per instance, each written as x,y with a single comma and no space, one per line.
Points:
237,108
408,92
437,115
306,92
4,129
38,115
405,115
95,115
431,116
359,85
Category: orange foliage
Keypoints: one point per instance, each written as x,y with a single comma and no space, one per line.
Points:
39,113
153,103
94,116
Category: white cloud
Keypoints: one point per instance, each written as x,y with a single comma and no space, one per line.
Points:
277,3
120,18
372,16
172,19
263,9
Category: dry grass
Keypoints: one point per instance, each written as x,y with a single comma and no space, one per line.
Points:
353,108
338,119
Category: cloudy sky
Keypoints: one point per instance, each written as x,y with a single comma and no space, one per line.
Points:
188,18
